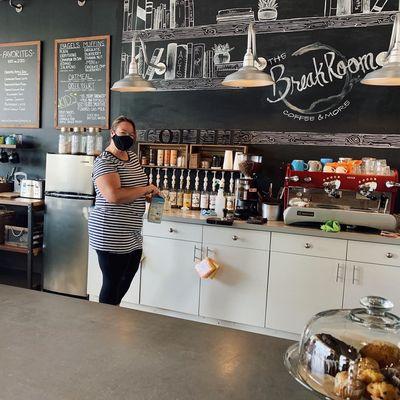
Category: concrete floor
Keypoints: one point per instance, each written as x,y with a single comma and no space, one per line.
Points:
57,348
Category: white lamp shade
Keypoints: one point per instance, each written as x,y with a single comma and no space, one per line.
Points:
248,76
133,83
388,75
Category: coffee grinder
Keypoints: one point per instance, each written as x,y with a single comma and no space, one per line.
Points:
247,196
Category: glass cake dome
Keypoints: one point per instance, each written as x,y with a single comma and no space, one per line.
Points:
350,354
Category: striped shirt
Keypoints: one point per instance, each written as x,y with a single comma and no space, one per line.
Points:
117,227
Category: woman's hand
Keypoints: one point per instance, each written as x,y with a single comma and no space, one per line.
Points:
153,191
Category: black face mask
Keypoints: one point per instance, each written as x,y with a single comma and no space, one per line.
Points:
123,143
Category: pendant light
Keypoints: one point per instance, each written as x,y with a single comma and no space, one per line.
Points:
389,74
251,74
133,82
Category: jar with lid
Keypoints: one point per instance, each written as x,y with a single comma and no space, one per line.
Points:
83,141
350,354
75,141
63,141
91,142
99,142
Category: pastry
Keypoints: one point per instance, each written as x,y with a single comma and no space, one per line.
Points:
368,371
369,376
348,388
386,354
382,391
392,375
368,363
327,355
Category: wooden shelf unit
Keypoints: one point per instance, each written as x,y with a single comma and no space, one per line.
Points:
206,151
31,207
144,149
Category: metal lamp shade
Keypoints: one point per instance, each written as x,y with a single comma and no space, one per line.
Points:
133,83
248,76
388,75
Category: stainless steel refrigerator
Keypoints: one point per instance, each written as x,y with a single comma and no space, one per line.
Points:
69,196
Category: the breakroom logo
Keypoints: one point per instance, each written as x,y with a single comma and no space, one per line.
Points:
323,78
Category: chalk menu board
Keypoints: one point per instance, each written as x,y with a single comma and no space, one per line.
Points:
82,67
20,85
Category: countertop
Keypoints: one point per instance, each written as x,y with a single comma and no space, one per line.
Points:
194,217
55,347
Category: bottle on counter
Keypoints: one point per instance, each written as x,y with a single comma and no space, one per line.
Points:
213,194
165,192
205,195
91,142
172,191
220,203
230,197
179,193
196,194
63,141
99,142
83,141
187,195
75,141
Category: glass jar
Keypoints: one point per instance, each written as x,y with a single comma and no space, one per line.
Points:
63,141
99,142
75,141
350,354
83,141
91,142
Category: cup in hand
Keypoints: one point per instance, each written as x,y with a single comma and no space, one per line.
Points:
299,165
314,166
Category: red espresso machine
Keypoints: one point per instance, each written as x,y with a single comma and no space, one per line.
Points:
354,200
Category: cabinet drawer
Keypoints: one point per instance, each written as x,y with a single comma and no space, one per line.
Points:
309,245
374,253
237,237
173,230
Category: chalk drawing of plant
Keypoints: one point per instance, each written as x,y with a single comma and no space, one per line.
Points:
267,10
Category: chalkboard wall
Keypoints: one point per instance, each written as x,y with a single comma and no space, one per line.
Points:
372,110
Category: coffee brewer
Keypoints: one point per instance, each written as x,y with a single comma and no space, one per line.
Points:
247,192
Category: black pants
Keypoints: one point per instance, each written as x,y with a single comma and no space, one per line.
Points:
118,272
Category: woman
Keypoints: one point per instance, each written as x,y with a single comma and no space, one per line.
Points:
116,221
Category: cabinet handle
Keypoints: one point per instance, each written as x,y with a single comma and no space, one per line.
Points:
208,250
355,279
307,246
171,230
234,237
195,258
339,276
389,255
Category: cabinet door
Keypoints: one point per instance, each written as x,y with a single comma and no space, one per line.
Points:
95,280
169,279
371,280
301,286
238,291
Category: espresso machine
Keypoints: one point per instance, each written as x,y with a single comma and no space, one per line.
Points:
354,200
247,191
